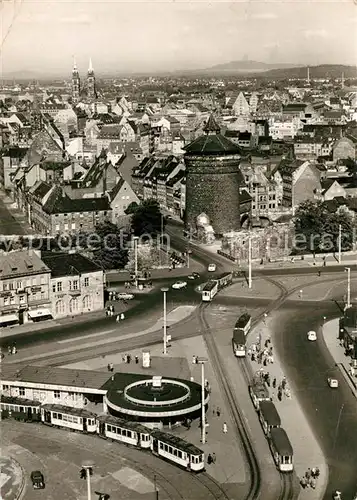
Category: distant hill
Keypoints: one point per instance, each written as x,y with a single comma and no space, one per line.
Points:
247,67
322,71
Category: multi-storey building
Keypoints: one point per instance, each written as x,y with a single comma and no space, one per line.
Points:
77,284
24,288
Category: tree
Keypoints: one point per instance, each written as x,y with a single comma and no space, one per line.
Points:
131,208
351,166
317,228
147,219
109,246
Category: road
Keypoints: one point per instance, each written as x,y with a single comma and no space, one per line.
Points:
8,223
307,365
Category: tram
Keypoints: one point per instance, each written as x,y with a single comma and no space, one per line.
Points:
212,287
281,449
67,417
127,432
244,323
269,417
177,450
238,343
258,392
20,409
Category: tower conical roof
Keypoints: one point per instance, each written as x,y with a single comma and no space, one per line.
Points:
90,67
211,126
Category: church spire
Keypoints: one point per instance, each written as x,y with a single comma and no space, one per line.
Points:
90,67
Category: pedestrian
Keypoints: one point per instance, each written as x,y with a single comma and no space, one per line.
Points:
253,356
126,358
225,428
9,350
265,362
14,350
136,360
108,367
303,483
274,383
129,358
111,366
214,458
122,316
218,411
213,412
283,383
308,474
280,396
317,472
117,318
312,483
209,459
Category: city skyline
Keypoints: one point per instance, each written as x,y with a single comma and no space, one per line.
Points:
171,36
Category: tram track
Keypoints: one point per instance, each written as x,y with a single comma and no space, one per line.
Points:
238,418
287,491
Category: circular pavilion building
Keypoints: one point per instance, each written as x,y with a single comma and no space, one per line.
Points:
154,400
212,180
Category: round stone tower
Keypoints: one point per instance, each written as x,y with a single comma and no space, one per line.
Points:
212,180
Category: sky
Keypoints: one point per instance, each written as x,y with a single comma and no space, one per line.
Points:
165,35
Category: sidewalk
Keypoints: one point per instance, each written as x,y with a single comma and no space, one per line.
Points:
293,419
337,351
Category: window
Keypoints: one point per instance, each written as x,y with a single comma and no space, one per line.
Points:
73,225
5,387
43,280
5,286
74,285
11,286
12,300
86,281
57,227
60,307
73,306
43,295
57,394
22,299
66,227
19,284
54,287
21,391
6,301
59,286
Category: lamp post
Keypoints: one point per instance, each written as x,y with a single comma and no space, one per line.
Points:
348,269
201,361
164,291
88,467
339,243
135,239
250,262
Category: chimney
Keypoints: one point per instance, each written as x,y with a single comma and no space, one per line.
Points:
105,178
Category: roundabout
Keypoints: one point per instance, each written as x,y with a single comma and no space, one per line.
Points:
12,479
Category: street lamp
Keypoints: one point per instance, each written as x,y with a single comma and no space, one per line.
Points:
135,240
201,361
165,290
338,425
250,262
87,466
348,269
339,243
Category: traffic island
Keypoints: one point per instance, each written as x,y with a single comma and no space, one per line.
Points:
12,479
261,289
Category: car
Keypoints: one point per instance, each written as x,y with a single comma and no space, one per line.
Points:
179,284
193,276
38,480
332,382
212,268
312,335
125,296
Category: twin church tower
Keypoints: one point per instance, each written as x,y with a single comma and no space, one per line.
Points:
89,92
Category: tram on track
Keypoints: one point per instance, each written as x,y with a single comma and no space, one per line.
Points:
281,449
164,445
212,287
269,417
238,343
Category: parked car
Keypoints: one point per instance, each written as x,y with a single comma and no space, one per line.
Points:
193,276
179,284
38,480
312,335
125,296
332,382
212,268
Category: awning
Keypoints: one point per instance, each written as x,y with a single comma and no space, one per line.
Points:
9,318
38,313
